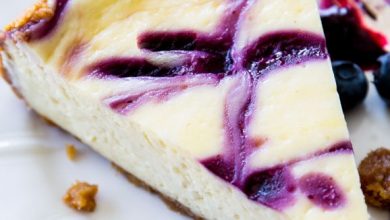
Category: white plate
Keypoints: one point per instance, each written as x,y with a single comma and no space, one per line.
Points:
35,172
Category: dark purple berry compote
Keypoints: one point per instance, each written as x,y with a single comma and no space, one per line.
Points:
347,35
322,190
208,59
273,187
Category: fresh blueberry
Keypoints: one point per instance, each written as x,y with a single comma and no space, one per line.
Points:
352,84
382,77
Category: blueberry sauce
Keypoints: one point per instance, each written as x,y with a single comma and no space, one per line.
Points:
343,146
140,67
347,36
272,51
274,187
220,166
130,67
322,190
157,90
129,102
184,41
43,28
283,49
217,60
165,41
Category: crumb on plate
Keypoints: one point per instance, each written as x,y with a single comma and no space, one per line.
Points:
374,173
71,152
81,197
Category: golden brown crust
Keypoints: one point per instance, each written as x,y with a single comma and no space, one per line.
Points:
38,12
171,203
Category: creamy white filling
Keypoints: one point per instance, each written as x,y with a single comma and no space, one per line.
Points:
266,16
297,113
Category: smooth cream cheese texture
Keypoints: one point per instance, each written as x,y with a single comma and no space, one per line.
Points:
275,15
193,119
297,108
297,112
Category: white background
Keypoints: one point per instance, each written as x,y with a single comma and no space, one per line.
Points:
35,173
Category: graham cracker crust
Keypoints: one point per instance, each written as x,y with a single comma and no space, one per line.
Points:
35,14
172,204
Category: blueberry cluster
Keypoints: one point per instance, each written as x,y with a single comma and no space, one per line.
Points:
353,45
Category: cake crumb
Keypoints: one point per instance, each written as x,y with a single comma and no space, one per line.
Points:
81,197
374,173
71,152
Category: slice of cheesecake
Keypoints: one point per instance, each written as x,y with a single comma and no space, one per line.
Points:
226,107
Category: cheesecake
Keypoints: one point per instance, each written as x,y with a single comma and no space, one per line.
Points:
229,108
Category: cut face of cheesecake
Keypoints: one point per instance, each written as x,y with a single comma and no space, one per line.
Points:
227,107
